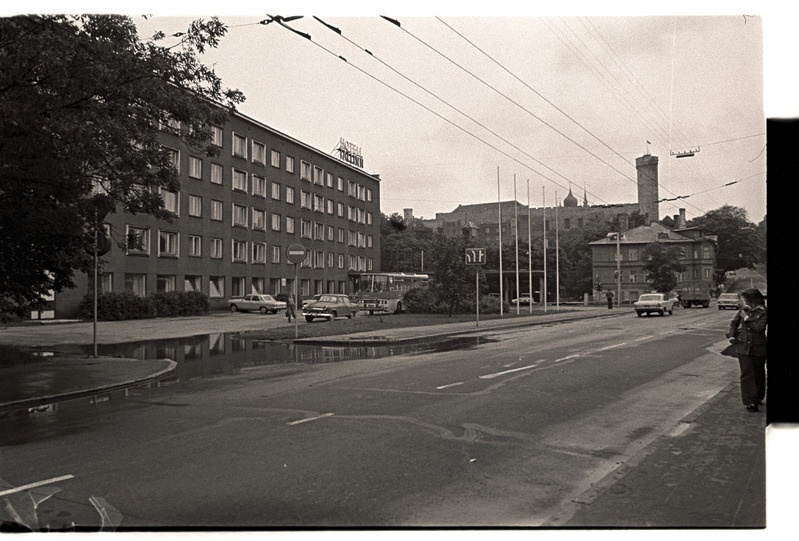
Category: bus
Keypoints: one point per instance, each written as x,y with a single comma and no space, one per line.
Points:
383,291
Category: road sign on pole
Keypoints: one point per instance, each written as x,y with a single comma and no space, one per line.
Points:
475,256
296,253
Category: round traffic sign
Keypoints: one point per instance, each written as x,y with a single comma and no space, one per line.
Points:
296,253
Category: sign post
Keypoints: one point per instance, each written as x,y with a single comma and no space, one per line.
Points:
477,257
296,253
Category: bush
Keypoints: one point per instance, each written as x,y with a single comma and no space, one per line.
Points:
120,306
422,300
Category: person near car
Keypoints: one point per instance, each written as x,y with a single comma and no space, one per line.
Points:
609,296
290,309
748,333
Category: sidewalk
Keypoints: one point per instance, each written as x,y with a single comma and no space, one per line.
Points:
709,472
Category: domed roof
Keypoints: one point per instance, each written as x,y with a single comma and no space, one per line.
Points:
570,200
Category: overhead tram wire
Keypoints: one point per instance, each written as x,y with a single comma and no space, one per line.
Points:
308,37
398,25
489,130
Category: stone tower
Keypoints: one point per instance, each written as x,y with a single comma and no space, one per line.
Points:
647,167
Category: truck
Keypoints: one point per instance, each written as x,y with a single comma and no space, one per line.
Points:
695,293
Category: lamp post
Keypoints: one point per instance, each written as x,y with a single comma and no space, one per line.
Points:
617,235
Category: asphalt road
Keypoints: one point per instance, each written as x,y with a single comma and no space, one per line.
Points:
506,432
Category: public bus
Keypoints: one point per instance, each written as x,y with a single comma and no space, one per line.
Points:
383,291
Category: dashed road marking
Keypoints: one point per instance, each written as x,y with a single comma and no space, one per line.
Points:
497,374
449,385
308,419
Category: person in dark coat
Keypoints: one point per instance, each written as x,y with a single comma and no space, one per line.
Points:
609,295
290,309
748,334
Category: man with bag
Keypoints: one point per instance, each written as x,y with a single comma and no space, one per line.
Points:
748,334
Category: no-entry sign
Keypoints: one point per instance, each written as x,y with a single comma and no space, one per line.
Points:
296,253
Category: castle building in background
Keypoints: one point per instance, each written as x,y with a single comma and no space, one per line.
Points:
234,217
483,217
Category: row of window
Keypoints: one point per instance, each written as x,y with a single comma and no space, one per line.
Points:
241,251
633,254
214,286
635,276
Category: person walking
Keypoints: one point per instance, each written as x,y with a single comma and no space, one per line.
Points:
748,334
290,309
609,296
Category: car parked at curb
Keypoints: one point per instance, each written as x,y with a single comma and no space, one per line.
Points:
261,303
524,300
729,300
653,303
330,306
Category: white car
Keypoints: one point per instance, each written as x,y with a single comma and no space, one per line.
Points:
524,300
653,303
261,303
729,300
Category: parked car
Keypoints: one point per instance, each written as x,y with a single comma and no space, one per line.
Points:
729,300
311,300
524,300
261,303
330,306
650,303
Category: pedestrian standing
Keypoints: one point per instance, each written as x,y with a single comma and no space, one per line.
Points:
609,295
748,333
290,309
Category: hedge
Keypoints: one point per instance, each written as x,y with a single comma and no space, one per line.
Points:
119,306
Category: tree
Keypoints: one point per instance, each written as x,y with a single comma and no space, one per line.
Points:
402,245
739,242
82,102
452,278
662,265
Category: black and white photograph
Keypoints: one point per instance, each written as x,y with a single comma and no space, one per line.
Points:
347,269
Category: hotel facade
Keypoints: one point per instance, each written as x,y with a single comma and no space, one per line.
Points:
235,216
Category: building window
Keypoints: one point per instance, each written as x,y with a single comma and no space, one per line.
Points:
239,251
239,180
340,235
258,219
195,246
318,203
361,216
275,222
305,199
369,241
136,283
289,164
258,152
216,287
195,206
258,186
174,158
258,252
352,189
329,180
216,249
706,252
171,201
340,184
318,231
318,259
330,259
216,173
257,286
289,225
331,233
239,145
633,277
237,286
216,210
192,283
305,170
275,159
369,218
341,261
289,195
369,194
275,191
195,167
707,274
138,240
239,215
305,229
340,207
318,176
106,282
275,254
632,254
369,263
167,244
165,283
305,287
331,206
216,136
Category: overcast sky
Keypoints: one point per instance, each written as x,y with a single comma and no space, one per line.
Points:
445,104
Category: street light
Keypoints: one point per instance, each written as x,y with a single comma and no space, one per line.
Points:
618,237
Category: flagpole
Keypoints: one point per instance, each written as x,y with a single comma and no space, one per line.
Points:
557,258
529,251
516,234
544,294
499,228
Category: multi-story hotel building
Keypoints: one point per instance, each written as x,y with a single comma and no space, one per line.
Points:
235,216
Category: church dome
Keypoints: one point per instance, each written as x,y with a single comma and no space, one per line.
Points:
570,200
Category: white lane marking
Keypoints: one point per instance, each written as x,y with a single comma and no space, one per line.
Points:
497,374
643,338
613,346
450,385
34,485
310,419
